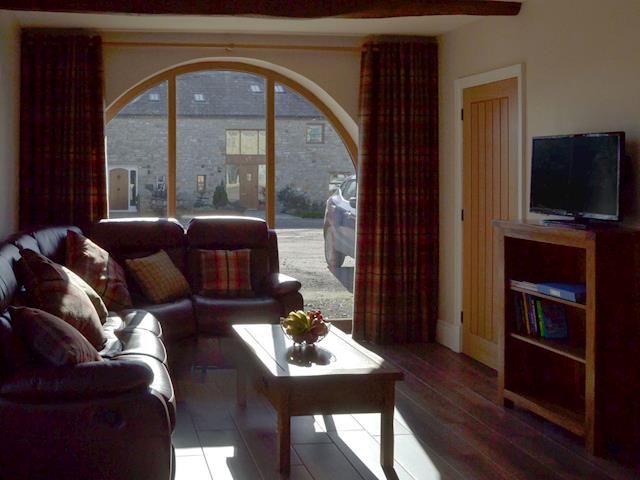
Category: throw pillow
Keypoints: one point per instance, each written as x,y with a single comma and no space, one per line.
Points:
225,272
52,340
48,288
96,267
96,301
159,279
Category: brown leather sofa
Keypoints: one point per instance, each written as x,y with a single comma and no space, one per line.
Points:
114,419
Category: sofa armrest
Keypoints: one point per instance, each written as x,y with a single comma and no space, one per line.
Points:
279,284
83,381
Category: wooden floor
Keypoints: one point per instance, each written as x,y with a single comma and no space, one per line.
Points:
448,426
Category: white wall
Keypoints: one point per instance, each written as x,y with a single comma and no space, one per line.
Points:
333,75
9,119
582,74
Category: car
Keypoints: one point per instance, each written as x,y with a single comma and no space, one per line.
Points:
340,223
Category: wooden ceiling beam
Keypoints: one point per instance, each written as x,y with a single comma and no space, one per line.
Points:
273,8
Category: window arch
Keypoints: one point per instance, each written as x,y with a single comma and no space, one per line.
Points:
164,95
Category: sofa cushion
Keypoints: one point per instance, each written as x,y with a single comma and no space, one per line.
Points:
177,318
9,286
126,238
158,277
132,320
225,272
83,381
48,288
161,382
215,315
232,233
95,299
53,340
14,351
138,342
98,269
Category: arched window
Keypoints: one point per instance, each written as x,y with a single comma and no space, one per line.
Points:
229,138
224,137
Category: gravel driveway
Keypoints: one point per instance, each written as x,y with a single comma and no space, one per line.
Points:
302,256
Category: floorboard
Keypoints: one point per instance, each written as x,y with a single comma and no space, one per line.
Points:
447,426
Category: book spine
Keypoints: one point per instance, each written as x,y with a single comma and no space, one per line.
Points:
543,332
517,300
525,313
532,315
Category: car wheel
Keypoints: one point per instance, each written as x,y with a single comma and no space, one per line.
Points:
334,258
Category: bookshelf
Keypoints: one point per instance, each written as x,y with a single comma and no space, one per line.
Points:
588,382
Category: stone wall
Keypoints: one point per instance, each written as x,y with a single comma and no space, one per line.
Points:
141,142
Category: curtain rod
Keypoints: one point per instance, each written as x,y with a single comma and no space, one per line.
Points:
231,46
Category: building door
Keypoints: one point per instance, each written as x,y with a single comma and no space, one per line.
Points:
490,192
248,186
119,189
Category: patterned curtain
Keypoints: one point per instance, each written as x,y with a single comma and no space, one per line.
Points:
62,159
396,284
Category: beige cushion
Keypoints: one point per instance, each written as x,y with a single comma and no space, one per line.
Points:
158,277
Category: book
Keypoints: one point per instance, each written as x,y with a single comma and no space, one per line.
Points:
555,320
533,322
540,318
573,292
519,312
524,285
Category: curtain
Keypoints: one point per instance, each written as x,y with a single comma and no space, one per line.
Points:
62,154
396,283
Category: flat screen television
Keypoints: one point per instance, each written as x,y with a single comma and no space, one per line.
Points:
577,175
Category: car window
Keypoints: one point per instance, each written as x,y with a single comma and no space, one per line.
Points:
348,190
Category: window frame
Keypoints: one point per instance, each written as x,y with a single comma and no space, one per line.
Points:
271,78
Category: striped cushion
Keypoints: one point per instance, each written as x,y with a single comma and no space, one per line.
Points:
51,339
96,267
49,288
225,272
158,277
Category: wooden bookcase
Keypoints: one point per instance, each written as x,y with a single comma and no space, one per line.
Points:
589,382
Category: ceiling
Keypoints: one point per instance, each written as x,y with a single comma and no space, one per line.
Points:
426,25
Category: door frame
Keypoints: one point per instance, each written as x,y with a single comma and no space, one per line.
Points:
128,168
450,334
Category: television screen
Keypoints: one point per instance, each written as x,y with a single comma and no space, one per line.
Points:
577,175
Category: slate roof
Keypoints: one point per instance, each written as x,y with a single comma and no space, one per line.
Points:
223,94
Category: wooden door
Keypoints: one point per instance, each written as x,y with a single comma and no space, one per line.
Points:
119,189
248,186
490,192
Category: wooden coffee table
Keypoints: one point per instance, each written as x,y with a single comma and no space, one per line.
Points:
336,376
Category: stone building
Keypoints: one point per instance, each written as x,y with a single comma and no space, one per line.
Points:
220,149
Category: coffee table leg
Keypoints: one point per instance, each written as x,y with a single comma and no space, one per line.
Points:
284,436
386,426
241,385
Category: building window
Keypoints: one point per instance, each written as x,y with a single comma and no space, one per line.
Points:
201,183
315,133
161,183
154,97
198,97
279,88
255,88
246,142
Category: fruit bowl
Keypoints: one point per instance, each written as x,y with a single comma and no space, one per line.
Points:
305,328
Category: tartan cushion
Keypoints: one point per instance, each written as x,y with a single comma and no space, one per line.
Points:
96,267
48,288
225,272
51,339
159,279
